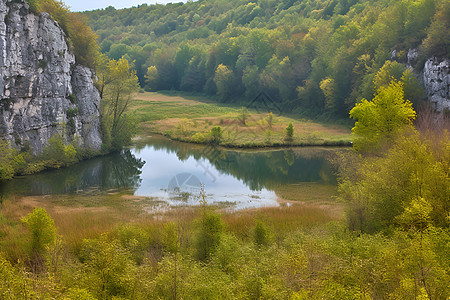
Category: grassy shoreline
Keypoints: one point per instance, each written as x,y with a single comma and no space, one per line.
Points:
190,119
261,146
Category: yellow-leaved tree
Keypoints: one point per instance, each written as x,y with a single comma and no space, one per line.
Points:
152,77
119,82
379,120
224,79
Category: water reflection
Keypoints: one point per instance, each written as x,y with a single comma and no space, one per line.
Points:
154,167
115,171
257,169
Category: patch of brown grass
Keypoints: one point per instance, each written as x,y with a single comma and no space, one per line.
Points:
157,97
281,220
308,192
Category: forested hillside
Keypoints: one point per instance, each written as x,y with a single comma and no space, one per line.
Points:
316,57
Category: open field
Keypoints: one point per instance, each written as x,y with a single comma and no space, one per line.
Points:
191,118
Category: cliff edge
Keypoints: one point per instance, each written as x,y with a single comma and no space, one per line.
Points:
43,91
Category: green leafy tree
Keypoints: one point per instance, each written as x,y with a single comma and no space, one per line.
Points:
119,85
328,87
117,51
406,187
250,80
243,116
216,134
152,78
379,120
278,75
11,161
224,79
208,235
84,39
437,41
289,133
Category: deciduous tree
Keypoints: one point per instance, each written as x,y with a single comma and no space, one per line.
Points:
120,84
378,121
224,79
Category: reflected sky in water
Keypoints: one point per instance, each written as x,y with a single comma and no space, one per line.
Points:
174,172
162,166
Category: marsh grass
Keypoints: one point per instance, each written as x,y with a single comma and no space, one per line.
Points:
181,117
78,217
280,220
308,192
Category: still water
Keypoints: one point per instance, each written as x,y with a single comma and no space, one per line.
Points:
177,173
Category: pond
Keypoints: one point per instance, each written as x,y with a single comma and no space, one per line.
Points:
178,174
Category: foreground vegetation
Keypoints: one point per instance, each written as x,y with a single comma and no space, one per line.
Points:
280,253
199,120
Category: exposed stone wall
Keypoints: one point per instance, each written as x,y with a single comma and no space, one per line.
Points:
436,79
42,91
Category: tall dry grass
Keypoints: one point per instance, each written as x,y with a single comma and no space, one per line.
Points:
280,220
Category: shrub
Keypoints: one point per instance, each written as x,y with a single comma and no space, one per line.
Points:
72,112
57,154
289,133
243,115
135,239
216,134
79,294
260,234
270,120
11,161
208,235
109,266
199,138
42,230
12,284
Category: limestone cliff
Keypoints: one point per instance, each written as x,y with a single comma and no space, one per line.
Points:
436,79
42,91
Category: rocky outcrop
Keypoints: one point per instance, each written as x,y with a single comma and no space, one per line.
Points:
42,90
436,79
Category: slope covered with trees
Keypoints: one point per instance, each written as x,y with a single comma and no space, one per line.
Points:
317,57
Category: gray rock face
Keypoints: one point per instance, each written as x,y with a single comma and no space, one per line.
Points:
412,56
42,91
436,78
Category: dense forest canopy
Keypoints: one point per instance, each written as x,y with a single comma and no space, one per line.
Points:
317,57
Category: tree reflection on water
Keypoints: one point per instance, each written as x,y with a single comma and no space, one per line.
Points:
257,169
119,170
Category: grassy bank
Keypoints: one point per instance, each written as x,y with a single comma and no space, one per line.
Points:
191,119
